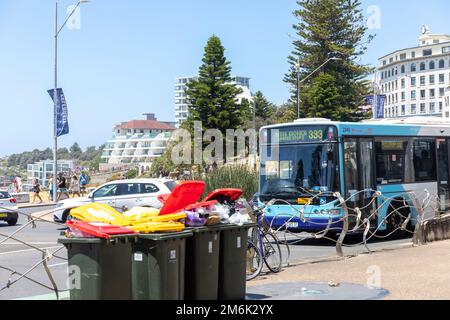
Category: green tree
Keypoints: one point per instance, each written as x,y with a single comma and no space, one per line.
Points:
75,151
212,98
263,108
324,98
330,28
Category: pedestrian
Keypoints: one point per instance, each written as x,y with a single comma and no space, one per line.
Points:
83,183
50,188
36,190
62,186
75,186
17,184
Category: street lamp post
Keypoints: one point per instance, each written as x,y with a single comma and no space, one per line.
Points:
299,82
55,96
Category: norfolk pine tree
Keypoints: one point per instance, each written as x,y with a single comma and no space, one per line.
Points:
330,28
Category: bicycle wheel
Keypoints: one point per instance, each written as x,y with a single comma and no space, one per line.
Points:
254,261
272,252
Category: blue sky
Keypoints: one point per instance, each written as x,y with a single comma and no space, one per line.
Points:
124,59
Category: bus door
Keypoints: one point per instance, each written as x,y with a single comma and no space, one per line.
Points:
359,176
443,174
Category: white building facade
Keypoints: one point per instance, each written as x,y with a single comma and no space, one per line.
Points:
43,170
181,103
137,142
416,81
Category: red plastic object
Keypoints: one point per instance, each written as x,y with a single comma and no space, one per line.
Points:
200,205
103,231
224,195
184,194
163,198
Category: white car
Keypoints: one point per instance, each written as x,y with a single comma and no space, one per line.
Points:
121,195
8,208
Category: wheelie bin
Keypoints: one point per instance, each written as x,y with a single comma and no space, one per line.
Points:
202,264
99,269
158,266
232,261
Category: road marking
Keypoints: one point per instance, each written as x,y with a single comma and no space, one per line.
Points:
65,295
27,250
57,265
32,243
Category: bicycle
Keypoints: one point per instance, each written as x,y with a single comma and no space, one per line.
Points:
262,246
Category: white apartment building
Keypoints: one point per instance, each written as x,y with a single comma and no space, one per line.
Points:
43,170
137,142
181,104
416,81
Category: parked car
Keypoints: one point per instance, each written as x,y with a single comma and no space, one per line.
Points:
8,208
121,195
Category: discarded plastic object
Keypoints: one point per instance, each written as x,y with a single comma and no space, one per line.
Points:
98,230
151,227
222,211
194,220
140,213
183,195
99,212
224,195
165,218
333,284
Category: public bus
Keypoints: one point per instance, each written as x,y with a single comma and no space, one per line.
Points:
304,164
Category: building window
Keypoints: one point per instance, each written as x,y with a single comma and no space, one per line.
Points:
403,56
384,62
413,95
422,94
422,66
441,78
413,54
413,81
422,81
422,108
432,107
432,65
403,96
413,67
432,79
432,93
413,109
446,50
441,64
427,52
403,69
441,106
403,110
441,92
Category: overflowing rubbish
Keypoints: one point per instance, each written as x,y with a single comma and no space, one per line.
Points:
182,208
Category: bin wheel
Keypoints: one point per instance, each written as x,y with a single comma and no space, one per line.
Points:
254,261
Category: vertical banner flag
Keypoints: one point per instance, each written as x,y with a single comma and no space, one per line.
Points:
377,102
62,121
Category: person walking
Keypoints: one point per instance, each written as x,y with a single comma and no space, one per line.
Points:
50,188
83,183
62,186
36,190
75,186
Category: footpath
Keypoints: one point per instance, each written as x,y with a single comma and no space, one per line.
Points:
409,273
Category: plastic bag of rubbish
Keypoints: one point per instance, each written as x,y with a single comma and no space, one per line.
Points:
239,218
193,219
222,211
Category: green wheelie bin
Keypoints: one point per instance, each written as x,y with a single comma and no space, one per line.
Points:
99,269
158,266
232,261
202,264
